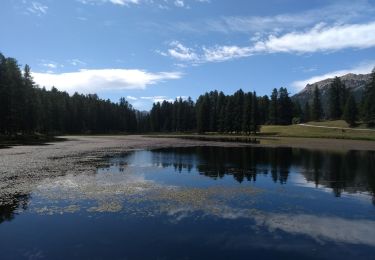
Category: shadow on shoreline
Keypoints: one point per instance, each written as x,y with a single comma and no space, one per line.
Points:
11,141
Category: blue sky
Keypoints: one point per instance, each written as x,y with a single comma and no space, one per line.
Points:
150,50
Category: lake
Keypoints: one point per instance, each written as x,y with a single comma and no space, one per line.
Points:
200,203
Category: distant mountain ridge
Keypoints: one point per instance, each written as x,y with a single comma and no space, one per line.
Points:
355,82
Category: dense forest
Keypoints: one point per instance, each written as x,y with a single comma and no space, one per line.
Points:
27,108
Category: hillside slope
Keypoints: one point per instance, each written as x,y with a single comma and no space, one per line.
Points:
355,82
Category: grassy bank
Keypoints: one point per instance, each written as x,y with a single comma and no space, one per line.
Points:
316,132
300,131
338,123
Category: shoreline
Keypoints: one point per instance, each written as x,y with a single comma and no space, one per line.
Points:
23,168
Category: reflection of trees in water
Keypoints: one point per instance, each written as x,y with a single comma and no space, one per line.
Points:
8,210
241,163
352,171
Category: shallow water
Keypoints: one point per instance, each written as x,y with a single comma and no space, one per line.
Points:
199,203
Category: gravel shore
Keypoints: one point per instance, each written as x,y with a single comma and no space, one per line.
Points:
22,168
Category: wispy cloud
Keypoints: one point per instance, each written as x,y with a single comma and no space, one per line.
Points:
131,98
160,4
115,2
179,3
362,68
37,8
50,65
348,12
320,38
89,81
181,52
77,62
223,53
156,99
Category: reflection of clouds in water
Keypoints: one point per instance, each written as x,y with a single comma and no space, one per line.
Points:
298,179
111,190
34,254
98,187
320,228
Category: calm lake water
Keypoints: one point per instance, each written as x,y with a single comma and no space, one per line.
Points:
201,203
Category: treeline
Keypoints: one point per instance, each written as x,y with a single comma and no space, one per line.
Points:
343,105
26,108
216,112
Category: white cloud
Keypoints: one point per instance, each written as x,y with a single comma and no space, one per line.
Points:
131,98
37,9
50,65
89,81
181,52
77,62
115,2
348,12
156,99
160,4
363,68
179,3
223,53
320,38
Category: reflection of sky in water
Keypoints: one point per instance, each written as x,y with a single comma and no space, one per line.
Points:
237,205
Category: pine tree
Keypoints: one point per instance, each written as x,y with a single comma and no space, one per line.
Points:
307,113
238,108
350,111
273,115
247,113
263,106
221,103
297,111
369,102
254,114
229,114
203,108
335,111
285,107
317,111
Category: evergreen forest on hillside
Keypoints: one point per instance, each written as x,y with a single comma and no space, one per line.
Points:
26,108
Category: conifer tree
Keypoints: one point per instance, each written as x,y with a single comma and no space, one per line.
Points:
369,102
306,112
335,111
350,111
273,115
317,111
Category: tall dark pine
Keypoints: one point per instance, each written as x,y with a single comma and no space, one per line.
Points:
263,106
229,114
273,110
306,113
203,116
338,95
335,111
255,127
4,94
350,111
285,107
247,113
238,110
297,111
221,101
369,102
317,111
